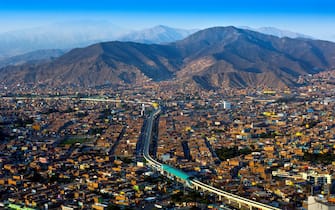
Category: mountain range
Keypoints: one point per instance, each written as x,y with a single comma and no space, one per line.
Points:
16,47
213,58
80,34
63,35
69,35
157,35
278,32
37,56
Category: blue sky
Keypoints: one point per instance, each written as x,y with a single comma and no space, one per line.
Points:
173,6
313,17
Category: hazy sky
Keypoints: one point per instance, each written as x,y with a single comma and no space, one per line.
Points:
312,17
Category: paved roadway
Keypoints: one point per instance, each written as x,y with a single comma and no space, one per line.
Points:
196,183
147,139
157,165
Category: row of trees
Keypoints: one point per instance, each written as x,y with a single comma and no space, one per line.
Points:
231,152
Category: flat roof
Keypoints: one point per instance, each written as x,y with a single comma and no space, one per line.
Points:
176,172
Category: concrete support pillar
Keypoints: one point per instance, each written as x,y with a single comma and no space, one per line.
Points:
229,201
220,198
239,205
250,207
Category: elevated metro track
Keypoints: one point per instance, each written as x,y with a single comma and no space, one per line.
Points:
193,182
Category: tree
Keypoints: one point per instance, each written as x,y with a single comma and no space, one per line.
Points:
113,207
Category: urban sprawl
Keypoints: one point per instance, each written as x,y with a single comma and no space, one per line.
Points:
72,149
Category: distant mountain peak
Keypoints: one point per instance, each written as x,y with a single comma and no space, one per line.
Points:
157,34
162,27
278,32
37,56
81,33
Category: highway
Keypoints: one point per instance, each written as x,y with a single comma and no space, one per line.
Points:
194,182
81,99
147,140
116,101
159,166
231,196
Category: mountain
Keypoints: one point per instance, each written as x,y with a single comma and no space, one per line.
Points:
213,58
157,34
228,56
66,35
32,57
81,34
110,63
278,32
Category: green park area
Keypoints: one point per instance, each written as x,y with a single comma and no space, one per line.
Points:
76,139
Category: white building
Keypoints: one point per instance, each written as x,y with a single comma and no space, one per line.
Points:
226,105
320,203
317,179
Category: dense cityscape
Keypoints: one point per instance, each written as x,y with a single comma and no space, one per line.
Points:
85,151
174,105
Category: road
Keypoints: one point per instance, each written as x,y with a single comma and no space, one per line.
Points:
147,139
157,165
81,99
196,183
112,150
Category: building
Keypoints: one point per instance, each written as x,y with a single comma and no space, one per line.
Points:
226,105
317,179
320,202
